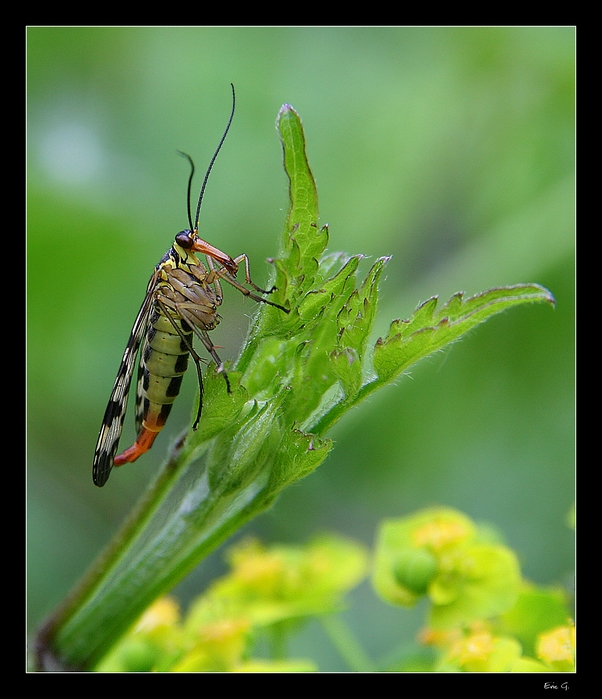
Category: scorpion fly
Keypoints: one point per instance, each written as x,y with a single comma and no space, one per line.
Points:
181,301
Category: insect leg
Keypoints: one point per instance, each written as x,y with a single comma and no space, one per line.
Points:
212,278
248,279
228,277
203,336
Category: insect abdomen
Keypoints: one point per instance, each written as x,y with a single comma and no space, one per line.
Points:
162,366
163,362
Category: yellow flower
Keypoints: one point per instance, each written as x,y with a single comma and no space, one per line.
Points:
477,646
440,532
557,647
164,612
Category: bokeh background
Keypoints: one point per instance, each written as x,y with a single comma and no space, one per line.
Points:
451,149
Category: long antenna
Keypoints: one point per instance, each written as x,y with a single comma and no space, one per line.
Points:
185,155
198,208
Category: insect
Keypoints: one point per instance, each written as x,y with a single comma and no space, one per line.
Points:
181,301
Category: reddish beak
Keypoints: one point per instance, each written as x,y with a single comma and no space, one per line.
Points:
205,248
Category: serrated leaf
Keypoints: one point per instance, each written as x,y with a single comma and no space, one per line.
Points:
428,331
329,264
333,293
301,224
356,318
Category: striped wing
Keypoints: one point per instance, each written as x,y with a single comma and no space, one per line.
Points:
112,423
139,411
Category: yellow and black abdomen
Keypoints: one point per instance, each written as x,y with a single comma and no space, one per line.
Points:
163,361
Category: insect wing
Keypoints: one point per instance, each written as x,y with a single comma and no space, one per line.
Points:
139,411
112,423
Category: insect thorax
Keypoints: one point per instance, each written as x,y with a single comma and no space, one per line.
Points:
186,287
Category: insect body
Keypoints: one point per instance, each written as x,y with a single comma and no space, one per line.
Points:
181,301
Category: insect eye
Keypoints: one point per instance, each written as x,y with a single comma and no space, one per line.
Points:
185,239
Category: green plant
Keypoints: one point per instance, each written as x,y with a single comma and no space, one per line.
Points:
481,615
295,377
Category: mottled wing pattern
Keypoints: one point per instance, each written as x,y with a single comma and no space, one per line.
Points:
139,411
112,423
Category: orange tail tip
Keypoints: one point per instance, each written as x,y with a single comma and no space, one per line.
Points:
143,443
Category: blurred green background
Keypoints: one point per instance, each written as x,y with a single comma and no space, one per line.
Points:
451,149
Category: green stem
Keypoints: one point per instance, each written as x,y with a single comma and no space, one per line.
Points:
162,541
346,644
